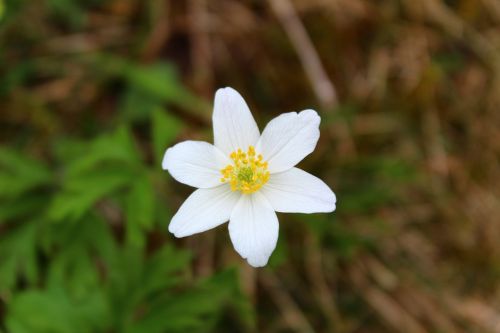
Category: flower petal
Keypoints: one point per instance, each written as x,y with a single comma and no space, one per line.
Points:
234,126
288,138
253,229
195,163
204,209
296,191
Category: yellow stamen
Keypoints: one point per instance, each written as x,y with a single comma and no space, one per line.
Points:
248,173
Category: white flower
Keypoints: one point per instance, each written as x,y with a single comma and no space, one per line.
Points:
246,177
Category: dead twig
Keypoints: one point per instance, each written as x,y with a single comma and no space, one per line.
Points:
477,312
384,305
454,26
201,53
321,84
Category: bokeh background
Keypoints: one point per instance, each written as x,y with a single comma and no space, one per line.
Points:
92,92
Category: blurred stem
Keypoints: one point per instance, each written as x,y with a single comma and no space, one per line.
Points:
295,319
437,157
249,281
206,249
160,30
321,290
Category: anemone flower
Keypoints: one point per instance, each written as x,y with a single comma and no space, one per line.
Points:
246,177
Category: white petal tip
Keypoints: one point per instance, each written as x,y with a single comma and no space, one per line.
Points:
333,202
179,234
332,209
324,210
174,229
229,95
225,91
309,113
257,262
164,162
178,231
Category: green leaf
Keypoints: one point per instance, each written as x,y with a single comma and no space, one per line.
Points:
156,82
2,9
19,174
92,237
27,205
124,278
195,310
118,147
136,282
140,209
105,165
18,256
17,74
81,193
68,11
160,269
54,311
165,129
227,286
135,105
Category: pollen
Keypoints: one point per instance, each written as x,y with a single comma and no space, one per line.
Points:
247,173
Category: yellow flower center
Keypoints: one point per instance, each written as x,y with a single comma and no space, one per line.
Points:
248,172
